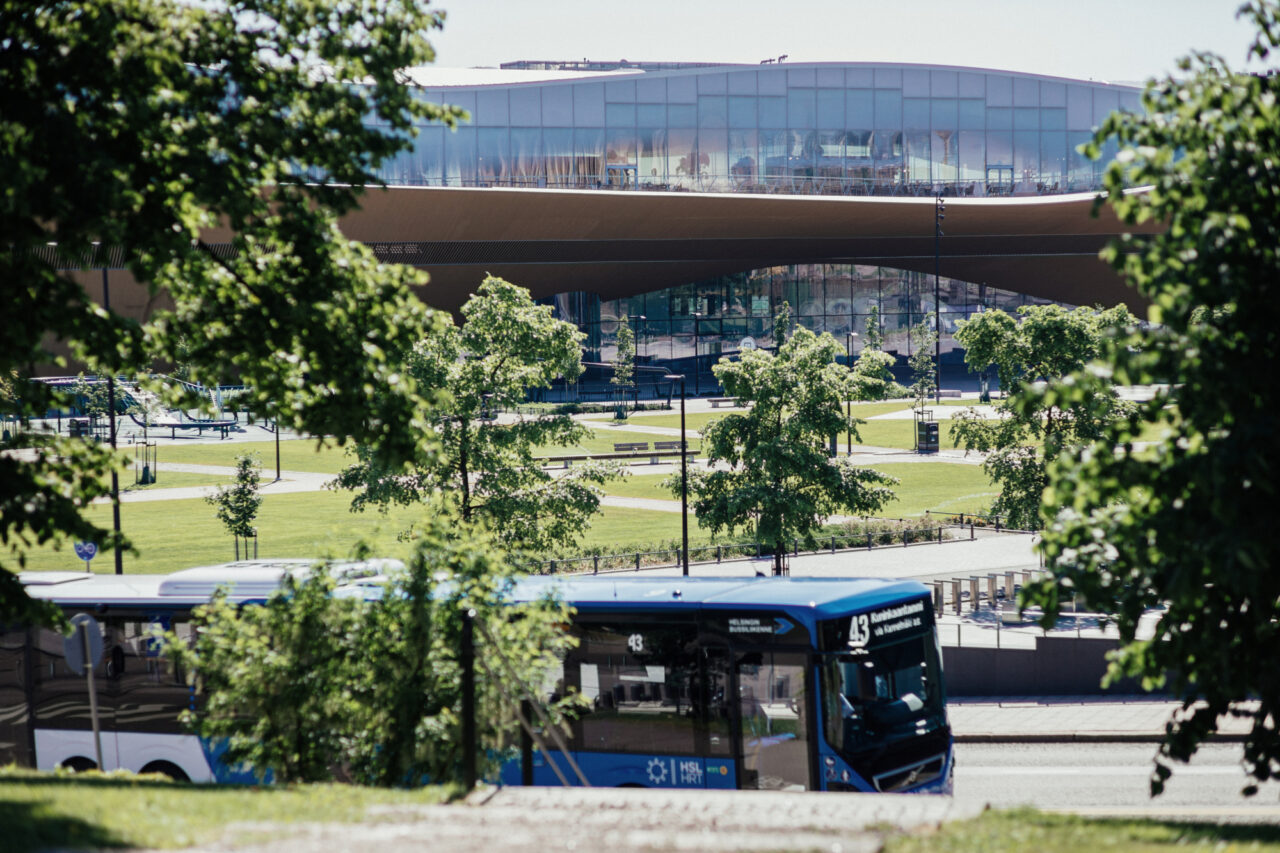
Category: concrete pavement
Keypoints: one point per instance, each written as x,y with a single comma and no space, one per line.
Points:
1069,719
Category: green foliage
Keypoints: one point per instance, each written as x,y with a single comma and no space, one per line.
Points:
1044,342
1189,522
311,686
923,378
871,377
624,365
769,470
238,505
874,334
149,127
484,471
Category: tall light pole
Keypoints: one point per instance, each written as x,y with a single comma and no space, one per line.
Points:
848,404
684,482
696,389
643,351
111,420
939,214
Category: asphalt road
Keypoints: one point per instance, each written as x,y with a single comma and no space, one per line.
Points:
1110,779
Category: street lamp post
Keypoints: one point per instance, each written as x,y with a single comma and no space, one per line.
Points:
111,425
696,389
939,214
643,351
848,404
684,482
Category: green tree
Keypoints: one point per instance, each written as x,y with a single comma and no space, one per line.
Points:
923,378
874,334
134,128
313,686
237,506
484,471
1186,521
624,364
769,469
1044,342
872,377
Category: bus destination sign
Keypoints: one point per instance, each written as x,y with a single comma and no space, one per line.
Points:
881,626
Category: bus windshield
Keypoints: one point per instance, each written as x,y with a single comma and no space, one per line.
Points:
886,694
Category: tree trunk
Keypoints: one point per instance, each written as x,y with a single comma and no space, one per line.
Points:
462,470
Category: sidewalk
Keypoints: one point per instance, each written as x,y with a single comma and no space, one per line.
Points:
1071,719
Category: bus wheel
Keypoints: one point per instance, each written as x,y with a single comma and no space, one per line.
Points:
79,764
167,768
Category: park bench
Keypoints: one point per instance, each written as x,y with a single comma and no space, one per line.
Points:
628,456
627,446
717,402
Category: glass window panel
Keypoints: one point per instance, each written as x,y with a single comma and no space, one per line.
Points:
742,83
943,84
801,108
620,115
830,78
831,108
682,89
971,150
773,156
588,105
972,85
999,159
682,115
526,156
557,106
589,156
620,146
743,171
1053,119
492,154
683,168
712,84
915,113
944,112
460,157
463,98
999,90
526,106
1081,174
888,78
713,157
429,156
1026,92
620,91
773,112
999,118
915,83
802,77
1053,94
888,109
713,111
839,285
491,108
651,90
972,114
1105,101
861,78
886,152
857,144
557,153
772,82
651,115
1079,107
1026,160
918,156
1053,159
943,155
859,110
742,112
653,156
1026,118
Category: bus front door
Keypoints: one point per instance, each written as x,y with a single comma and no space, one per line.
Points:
772,722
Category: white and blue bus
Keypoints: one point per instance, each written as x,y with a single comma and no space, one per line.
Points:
767,683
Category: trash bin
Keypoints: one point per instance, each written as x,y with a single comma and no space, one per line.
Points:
79,427
927,436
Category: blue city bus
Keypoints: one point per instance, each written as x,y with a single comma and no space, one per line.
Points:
766,683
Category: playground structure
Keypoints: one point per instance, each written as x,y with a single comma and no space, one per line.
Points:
147,409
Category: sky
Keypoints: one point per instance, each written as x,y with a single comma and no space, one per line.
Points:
1111,40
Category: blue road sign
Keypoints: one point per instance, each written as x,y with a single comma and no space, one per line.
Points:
86,550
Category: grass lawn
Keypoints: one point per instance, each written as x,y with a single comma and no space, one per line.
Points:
43,811
295,455
617,529
937,486
172,480
1017,830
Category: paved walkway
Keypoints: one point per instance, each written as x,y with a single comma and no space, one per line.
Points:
290,482
1057,719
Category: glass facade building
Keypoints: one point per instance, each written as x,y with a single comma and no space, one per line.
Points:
832,129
